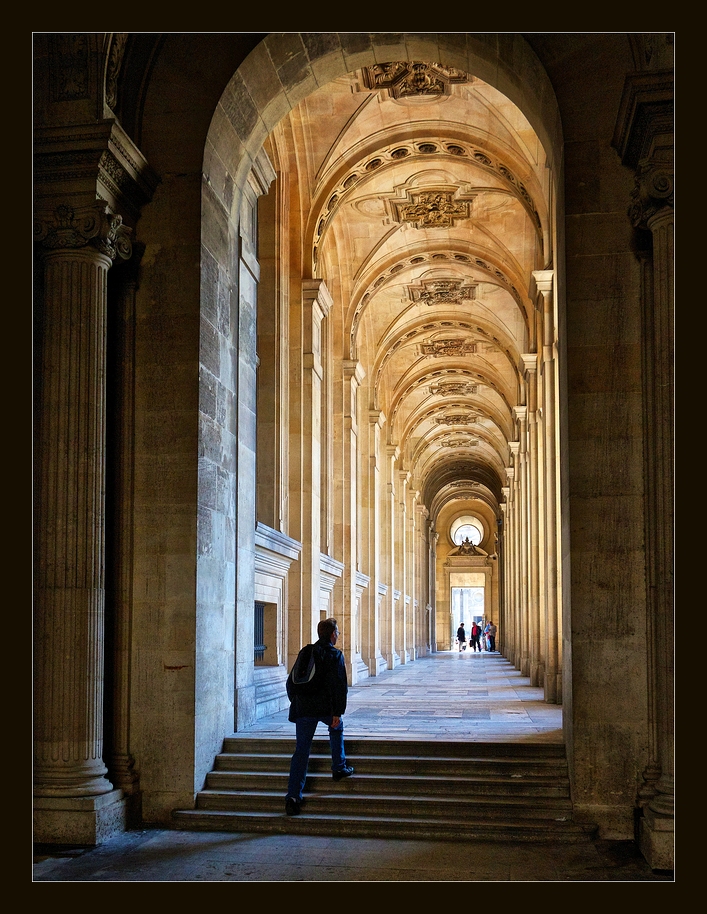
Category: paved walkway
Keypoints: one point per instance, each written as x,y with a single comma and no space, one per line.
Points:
444,696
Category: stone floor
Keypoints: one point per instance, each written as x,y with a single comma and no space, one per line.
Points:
448,695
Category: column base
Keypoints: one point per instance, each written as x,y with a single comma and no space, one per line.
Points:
393,660
246,706
656,840
376,665
80,820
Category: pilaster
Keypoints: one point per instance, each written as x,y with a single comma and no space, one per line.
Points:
543,289
644,140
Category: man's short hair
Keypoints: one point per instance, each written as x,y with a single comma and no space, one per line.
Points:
326,628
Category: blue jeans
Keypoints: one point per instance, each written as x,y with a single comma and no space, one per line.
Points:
304,729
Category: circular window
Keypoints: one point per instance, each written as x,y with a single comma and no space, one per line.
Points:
466,527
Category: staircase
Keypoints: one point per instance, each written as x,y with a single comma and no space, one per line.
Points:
401,789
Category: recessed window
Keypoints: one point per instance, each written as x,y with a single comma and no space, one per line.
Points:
467,527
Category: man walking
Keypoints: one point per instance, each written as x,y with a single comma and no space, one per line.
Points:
326,703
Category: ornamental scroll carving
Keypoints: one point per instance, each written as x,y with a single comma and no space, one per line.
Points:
450,347
453,388
461,441
444,292
403,78
431,209
69,228
456,419
115,62
653,192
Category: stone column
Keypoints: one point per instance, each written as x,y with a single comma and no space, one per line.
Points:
521,414
537,666
316,305
391,643
373,546
511,581
644,140
421,584
120,604
553,673
503,595
73,797
348,478
400,546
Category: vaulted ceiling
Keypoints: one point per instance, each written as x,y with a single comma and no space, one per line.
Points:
425,210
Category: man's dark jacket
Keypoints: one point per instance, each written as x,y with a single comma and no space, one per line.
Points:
330,700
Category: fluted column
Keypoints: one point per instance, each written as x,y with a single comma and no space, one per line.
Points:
553,673
79,246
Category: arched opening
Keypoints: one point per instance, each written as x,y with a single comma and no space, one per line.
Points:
405,220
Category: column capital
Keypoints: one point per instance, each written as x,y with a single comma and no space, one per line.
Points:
65,227
644,140
315,290
88,161
541,281
354,371
521,413
652,195
514,447
376,417
530,361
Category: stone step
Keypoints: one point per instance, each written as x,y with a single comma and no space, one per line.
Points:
402,784
382,827
401,789
400,805
398,747
403,764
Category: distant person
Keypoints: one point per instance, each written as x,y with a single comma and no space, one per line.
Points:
491,630
476,637
326,703
461,637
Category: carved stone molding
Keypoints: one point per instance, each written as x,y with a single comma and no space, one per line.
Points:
448,347
453,388
644,139
71,66
115,62
443,292
69,229
82,163
653,192
404,78
456,419
431,209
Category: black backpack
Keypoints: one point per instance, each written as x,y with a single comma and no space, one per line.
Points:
307,671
